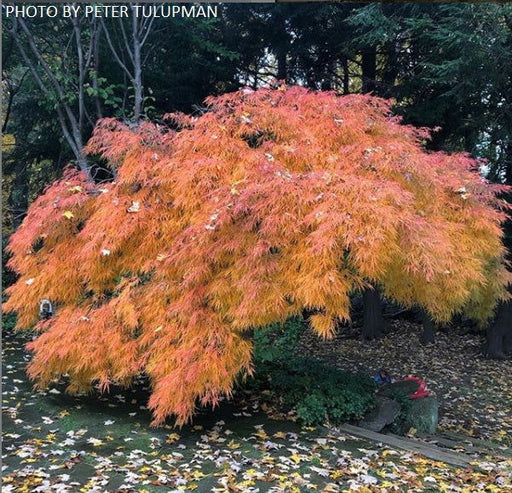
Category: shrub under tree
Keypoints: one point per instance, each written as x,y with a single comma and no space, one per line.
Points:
272,202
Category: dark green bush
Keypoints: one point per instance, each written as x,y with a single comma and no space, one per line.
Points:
315,391
277,341
318,392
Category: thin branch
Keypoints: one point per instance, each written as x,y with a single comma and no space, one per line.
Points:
149,52
114,51
125,38
72,135
81,71
148,30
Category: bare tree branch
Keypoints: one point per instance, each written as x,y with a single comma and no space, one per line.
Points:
64,112
114,51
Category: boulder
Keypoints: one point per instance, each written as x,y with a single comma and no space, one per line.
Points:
385,413
422,415
395,408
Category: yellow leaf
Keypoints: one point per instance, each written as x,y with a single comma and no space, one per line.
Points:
244,484
8,141
68,214
173,437
261,434
295,458
95,442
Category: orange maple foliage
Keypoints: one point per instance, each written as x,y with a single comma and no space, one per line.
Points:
273,201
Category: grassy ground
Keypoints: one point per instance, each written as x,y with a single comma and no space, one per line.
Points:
57,443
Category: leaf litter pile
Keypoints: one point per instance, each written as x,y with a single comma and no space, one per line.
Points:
103,443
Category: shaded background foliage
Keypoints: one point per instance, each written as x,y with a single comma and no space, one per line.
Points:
447,65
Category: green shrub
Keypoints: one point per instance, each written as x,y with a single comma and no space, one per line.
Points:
277,341
318,392
315,391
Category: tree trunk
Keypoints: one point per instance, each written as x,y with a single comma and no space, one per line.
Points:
427,335
499,335
12,91
137,71
281,44
282,68
346,76
95,64
390,72
373,321
81,73
508,167
133,45
369,69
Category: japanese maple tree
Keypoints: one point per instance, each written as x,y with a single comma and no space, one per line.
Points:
271,202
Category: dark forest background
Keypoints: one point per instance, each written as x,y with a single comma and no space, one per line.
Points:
447,66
